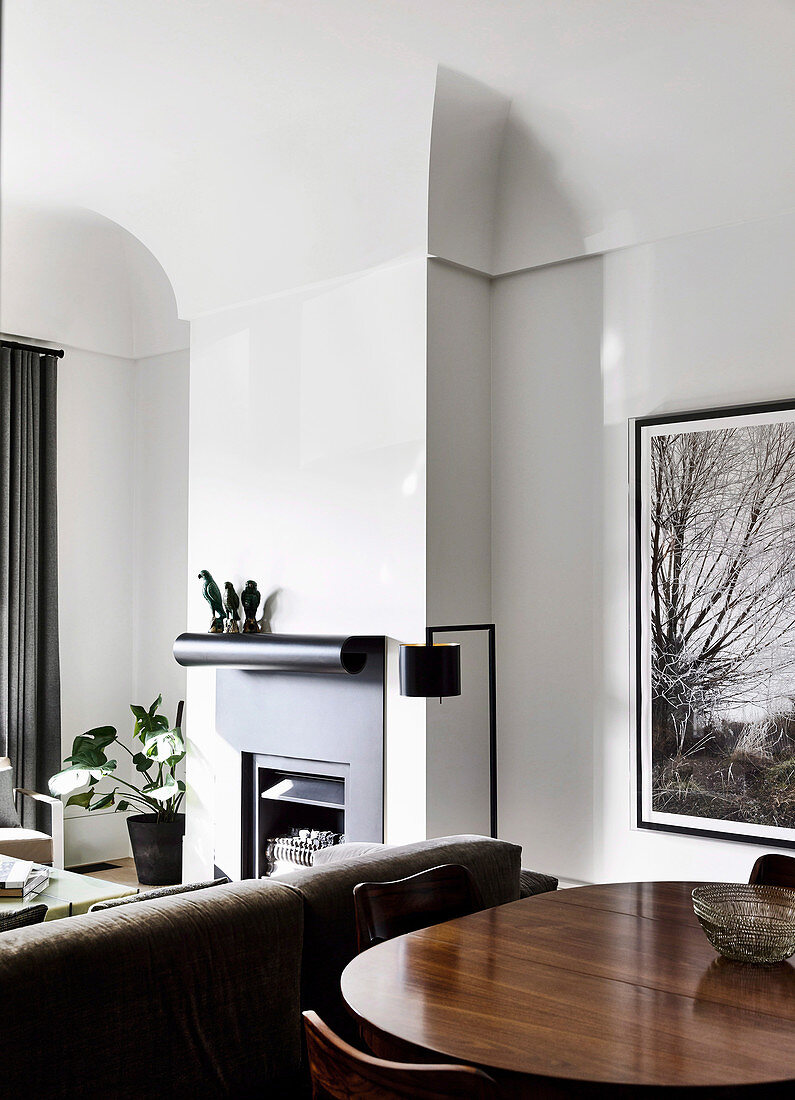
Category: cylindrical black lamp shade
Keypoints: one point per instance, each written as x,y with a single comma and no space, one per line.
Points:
430,671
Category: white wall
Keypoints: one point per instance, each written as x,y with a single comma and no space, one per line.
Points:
691,322
307,473
458,542
160,522
122,529
95,566
546,462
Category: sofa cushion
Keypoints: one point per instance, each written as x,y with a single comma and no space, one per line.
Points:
188,997
26,844
9,818
329,918
160,892
341,853
32,914
533,882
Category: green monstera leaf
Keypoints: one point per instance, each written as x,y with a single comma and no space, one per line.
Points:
142,762
165,748
70,779
83,799
105,801
89,748
148,721
165,792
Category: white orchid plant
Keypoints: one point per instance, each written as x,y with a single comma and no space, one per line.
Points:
158,790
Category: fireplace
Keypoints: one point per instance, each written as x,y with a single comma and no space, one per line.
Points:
294,807
303,722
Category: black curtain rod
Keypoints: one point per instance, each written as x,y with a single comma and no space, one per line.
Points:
32,347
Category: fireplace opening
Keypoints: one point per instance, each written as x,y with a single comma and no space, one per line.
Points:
295,811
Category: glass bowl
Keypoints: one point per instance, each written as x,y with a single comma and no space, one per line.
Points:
753,924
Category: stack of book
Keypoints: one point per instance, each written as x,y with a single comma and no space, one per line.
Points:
19,878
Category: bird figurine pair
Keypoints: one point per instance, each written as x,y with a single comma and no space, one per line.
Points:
227,612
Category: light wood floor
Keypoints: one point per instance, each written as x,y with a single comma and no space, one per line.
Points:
122,871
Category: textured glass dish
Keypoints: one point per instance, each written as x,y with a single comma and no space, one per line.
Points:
753,924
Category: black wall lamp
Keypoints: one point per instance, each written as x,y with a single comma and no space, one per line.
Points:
434,670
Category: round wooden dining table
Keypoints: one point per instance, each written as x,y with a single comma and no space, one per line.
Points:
598,991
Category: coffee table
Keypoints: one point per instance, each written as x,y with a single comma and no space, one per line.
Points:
68,894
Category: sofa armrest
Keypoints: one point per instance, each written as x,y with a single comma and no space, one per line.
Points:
56,822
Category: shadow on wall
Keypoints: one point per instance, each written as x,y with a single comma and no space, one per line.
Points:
496,199
269,609
537,217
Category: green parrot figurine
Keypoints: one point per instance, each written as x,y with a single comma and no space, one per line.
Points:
232,605
212,595
251,598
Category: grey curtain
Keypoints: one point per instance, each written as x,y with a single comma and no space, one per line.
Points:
30,687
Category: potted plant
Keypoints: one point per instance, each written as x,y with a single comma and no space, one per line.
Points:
155,833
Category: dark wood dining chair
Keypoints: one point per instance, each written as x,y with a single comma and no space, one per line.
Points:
773,869
343,1073
388,909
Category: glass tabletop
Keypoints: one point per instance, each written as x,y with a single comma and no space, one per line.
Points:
68,894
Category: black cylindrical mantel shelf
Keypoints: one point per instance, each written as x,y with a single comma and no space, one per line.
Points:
274,652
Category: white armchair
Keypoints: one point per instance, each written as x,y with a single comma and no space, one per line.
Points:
30,844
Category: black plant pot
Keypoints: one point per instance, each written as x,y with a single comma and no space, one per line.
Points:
157,848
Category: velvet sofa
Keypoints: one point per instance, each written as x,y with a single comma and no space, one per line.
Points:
199,994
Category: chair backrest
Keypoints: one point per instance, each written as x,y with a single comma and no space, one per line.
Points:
342,1072
773,870
388,909
21,918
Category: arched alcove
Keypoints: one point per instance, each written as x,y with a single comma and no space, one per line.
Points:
73,277
77,280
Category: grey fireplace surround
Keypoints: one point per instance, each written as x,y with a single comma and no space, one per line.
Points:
300,705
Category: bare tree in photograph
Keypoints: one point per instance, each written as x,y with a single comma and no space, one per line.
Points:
722,572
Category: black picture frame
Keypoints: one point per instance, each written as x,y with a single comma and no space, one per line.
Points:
646,818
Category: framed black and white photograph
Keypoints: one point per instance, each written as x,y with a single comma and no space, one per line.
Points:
714,526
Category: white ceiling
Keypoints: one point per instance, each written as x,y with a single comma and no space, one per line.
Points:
256,146
77,279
